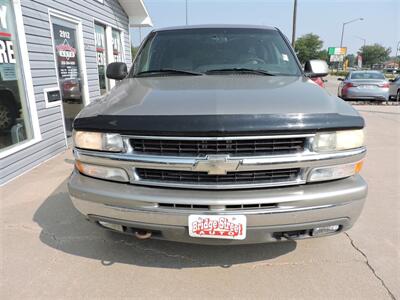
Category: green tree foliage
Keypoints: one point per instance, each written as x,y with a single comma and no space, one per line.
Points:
323,54
374,54
134,50
309,46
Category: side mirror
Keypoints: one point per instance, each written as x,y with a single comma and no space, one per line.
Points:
340,79
392,80
316,68
117,71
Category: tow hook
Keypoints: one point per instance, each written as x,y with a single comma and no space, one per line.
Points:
142,234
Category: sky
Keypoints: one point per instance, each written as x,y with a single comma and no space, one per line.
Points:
381,22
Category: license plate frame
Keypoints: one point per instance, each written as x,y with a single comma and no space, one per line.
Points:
367,86
230,227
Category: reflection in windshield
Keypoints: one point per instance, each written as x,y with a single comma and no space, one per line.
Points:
203,49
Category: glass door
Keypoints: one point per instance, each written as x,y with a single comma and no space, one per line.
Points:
68,56
117,45
101,54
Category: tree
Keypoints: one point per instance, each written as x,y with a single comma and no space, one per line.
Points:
309,46
374,54
134,50
323,54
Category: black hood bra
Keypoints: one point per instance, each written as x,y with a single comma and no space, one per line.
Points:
218,125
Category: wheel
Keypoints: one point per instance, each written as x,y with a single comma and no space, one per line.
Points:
8,114
398,96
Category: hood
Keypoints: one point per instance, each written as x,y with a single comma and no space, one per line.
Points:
223,99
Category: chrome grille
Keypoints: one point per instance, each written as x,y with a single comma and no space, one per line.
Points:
193,179
236,147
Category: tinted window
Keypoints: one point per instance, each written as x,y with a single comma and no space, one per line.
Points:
367,75
200,50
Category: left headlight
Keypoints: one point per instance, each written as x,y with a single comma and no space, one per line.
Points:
111,142
338,140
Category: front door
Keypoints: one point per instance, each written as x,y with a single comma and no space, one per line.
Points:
68,58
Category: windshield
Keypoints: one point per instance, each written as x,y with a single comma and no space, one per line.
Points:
210,49
367,75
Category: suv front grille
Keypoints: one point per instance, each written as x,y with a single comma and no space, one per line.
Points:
242,147
193,179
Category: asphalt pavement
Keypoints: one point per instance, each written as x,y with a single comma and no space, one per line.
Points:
48,250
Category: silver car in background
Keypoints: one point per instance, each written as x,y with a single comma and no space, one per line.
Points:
364,85
394,89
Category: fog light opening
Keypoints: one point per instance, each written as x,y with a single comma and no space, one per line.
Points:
325,230
112,226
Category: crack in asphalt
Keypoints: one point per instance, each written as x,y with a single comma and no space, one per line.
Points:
370,266
164,253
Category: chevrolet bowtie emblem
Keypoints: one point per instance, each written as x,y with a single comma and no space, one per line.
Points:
216,165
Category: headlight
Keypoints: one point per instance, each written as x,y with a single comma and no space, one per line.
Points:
339,140
98,141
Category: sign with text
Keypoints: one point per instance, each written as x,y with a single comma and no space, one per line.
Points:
336,58
7,52
337,51
66,51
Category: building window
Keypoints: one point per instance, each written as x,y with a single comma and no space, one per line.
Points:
15,122
117,46
101,53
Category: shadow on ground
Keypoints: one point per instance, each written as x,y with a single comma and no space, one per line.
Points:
65,229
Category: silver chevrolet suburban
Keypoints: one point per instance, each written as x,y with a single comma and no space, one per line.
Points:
217,135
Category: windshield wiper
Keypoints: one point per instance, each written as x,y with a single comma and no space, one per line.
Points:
240,70
167,71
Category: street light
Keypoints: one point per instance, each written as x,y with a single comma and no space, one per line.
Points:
360,38
344,24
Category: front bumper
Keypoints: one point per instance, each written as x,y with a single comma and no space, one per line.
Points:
295,208
373,94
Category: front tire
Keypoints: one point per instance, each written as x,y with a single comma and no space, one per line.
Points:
8,115
398,96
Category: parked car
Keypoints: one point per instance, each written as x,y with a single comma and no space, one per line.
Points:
216,135
71,90
394,89
364,85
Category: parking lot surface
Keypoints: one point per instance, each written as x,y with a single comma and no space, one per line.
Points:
48,250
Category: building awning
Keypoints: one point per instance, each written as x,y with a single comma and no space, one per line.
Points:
137,12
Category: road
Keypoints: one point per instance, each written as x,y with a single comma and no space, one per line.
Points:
48,250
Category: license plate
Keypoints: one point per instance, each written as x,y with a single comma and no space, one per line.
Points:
367,86
232,227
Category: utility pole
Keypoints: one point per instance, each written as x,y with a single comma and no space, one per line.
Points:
397,53
186,10
294,23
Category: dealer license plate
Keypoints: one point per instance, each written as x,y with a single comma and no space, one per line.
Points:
232,227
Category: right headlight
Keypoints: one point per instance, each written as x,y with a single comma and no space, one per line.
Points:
111,142
338,140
